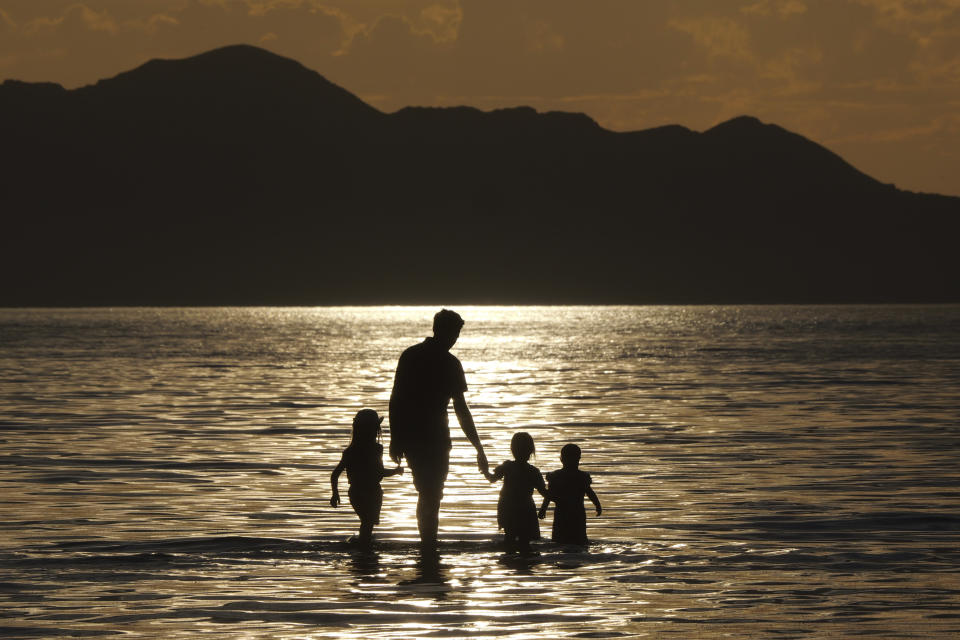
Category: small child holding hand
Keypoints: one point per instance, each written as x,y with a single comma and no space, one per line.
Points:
567,488
363,461
516,512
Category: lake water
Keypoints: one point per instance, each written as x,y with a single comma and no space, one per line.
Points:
789,472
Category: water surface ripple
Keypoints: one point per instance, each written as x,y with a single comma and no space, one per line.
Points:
765,471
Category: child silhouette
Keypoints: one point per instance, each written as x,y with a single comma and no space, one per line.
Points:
567,488
516,512
363,460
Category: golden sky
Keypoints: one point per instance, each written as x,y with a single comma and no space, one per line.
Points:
877,81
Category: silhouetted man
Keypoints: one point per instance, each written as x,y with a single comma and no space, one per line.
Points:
428,377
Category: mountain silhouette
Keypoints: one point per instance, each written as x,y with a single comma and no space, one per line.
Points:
241,177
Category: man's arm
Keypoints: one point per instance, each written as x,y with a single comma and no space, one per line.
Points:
396,440
470,430
396,437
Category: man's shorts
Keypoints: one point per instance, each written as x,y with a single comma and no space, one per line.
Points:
429,466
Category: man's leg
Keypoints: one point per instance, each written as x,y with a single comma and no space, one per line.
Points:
428,514
429,468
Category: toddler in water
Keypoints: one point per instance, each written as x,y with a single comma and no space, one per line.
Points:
567,488
516,512
363,460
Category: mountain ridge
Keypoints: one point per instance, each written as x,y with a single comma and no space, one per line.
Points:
241,177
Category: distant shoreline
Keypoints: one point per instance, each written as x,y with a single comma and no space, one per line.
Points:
437,305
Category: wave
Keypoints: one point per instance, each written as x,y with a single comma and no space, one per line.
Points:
169,549
901,526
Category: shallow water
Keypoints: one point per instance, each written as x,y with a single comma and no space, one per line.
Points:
764,471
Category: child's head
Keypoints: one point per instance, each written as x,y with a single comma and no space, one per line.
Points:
521,445
570,455
366,427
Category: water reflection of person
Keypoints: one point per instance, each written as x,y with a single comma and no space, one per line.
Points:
521,564
429,568
429,571
365,565
428,377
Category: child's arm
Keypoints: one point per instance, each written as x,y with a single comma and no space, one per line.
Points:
387,472
334,478
542,488
543,507
594,499
496,475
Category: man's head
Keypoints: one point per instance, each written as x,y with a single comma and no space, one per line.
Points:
446,327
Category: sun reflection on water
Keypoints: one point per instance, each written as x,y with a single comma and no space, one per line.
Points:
166,473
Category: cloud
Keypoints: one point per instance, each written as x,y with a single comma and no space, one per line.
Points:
259,8
542,38
441,21
791,68
160,20
946,124
900,12
721,37
779,8
6,22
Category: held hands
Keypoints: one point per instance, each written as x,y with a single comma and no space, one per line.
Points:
395,453
482,463
599,510
542,513
335,499
392,472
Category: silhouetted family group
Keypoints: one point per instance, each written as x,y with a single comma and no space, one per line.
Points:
428,377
